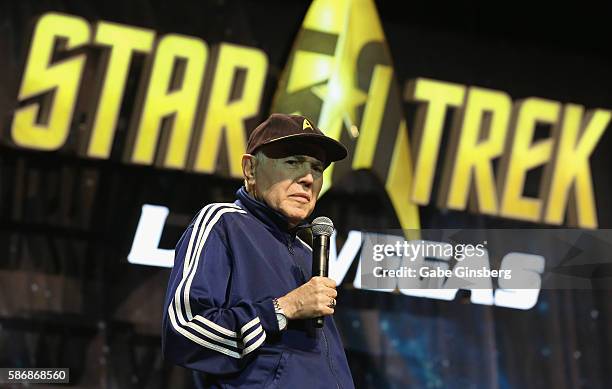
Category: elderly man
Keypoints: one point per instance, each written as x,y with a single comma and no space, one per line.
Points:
240,298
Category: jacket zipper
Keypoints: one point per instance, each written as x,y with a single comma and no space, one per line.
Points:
329,358
292,252
290,246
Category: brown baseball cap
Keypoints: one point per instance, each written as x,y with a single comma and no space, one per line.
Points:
296,129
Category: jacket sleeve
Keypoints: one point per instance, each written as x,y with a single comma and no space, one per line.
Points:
203,327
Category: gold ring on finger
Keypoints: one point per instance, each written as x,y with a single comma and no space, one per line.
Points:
332,303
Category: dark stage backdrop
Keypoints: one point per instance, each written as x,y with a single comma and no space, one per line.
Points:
69,297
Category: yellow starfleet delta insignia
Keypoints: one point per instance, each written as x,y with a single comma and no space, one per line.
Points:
306,124
340,75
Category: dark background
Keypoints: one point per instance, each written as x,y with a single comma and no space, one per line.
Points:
69,298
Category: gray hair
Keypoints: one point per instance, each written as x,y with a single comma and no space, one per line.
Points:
259,157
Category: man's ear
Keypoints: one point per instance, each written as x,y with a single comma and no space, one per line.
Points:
248,169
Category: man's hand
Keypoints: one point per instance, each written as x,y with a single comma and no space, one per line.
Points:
310,300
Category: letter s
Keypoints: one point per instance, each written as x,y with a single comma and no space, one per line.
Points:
525,279
42,77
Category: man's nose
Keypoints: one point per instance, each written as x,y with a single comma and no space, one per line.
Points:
307,178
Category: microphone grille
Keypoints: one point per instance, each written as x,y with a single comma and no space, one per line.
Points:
322,226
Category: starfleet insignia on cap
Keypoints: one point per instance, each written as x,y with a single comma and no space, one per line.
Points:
306,124
281,127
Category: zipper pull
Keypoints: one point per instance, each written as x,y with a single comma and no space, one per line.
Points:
290,244
290,247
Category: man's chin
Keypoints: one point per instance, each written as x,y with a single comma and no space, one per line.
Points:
295,216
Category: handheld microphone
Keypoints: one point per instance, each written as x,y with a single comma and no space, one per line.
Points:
322,228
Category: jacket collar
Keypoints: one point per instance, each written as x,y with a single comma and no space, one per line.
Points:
267,215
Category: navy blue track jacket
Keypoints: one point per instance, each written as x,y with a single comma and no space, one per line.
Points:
219,319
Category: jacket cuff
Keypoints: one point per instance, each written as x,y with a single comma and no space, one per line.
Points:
267,316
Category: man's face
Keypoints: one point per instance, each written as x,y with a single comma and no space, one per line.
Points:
289,179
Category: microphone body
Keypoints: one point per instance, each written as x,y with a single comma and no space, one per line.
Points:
320,262
322,228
